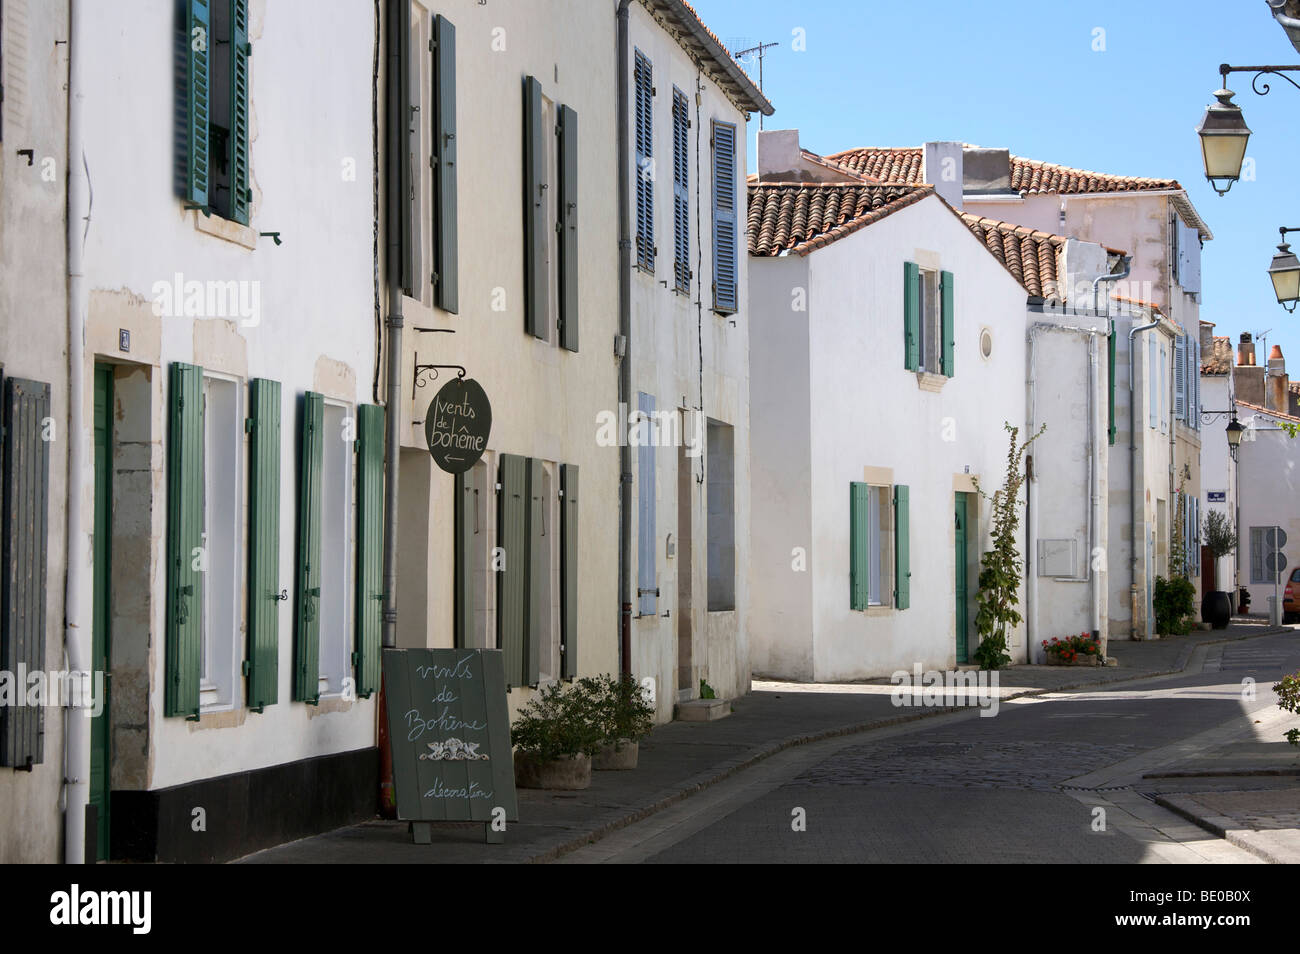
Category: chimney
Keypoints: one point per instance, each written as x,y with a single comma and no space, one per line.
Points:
1279,385
778,155
942,168
1207,340
1245,351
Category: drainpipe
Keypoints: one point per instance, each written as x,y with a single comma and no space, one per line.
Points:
625,359
1132,478
76,638
1095,516
393,402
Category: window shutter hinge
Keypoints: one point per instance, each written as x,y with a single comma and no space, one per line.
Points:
246,667
249,425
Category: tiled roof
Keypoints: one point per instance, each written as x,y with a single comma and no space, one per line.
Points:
1028,176
800,216
1219,360
680,19
1029,255
1140,302
1264,410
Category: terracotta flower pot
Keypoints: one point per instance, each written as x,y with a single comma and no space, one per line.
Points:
566,773
616,757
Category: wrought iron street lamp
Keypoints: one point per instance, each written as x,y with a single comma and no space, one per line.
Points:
1223,129
1285,273
1235,430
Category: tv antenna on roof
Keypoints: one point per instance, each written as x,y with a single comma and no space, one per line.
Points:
757,51
1262,338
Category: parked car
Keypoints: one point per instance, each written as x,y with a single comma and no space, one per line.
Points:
1291,598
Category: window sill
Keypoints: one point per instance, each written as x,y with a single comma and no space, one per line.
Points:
929,381
881,610
225,229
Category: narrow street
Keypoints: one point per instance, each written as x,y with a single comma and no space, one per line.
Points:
1021,787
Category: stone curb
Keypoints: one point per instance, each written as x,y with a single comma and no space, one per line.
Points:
729,768
1223,827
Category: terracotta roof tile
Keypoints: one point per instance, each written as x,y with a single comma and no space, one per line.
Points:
1264,410
1028,254
1028,176
801,216
1219,360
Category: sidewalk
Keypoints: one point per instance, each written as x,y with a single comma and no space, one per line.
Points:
682,758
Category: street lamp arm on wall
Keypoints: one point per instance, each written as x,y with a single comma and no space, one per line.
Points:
1261,89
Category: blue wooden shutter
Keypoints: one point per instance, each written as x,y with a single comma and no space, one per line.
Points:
446,289
198,42
1152,373
536,305
947,299
645,480
725,293
1164,388
306,670
681,193
1195,404
568,221
261,667
643,134
240,49
23,556
902,547
569,570
184,541
512,579
859,542
370,543
1181,381
911,316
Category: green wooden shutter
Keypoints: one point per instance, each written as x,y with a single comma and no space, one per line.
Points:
240,49
569,570
370,543
262,666
23,554
681,193
198,42
446,244
539,588
306,670
464,531
184,541
725,296
401,266
947,297
1110,364
902,548
859,542
512,581
568,219
911,316
535,243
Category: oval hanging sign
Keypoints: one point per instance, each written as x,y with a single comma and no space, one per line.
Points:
457,425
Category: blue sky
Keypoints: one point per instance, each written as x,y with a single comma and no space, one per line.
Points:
1024,76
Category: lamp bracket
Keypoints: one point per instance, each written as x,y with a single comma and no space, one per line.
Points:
1261,89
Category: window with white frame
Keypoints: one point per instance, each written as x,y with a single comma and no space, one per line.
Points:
222,563
338,519
870,545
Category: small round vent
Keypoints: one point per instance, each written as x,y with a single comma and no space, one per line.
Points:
986,342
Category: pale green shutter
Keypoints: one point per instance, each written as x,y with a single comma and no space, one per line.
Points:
568,220
446,243
240,49
859,541
306,672
262,665
911,316
184,540
464,531
535,239
569,570
902,548
947,297
370,542
539,587
512,580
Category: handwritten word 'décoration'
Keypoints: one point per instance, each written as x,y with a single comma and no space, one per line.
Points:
444,721
440,791
459,671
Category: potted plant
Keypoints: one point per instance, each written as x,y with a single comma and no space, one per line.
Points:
624,716
1081,650
555,737
1220,540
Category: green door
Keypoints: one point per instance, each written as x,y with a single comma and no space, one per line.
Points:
100,741
960,562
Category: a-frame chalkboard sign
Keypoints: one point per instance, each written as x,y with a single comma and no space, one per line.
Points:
449,729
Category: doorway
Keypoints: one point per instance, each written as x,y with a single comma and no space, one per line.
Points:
685,485
101,725
961,564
